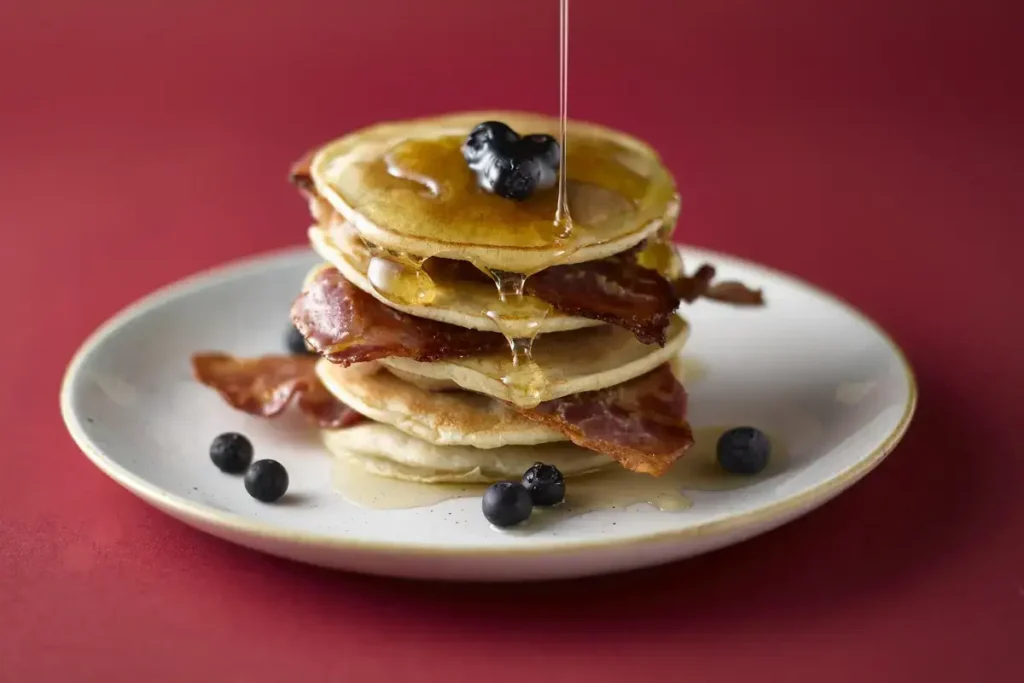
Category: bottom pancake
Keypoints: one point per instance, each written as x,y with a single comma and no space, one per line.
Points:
387,452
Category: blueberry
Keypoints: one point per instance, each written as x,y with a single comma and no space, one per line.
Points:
743,450
545,484
510,177
231,452
546,151
489,136
544,148
510,166
266,480
295,342
506,504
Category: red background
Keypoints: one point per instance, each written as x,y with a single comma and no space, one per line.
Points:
873,147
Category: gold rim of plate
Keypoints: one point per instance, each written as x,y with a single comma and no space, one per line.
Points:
191,511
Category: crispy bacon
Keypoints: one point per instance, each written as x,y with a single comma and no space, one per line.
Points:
299,175
699,285
640,423
615,290
346,325
265,386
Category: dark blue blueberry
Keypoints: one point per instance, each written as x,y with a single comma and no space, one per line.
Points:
545,484
489,136
743,450
266,480
509,177
231,452
506,504
295,342
545,148
510,166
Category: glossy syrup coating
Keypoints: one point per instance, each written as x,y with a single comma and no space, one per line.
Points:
407,187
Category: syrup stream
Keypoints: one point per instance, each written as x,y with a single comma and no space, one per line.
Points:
563,220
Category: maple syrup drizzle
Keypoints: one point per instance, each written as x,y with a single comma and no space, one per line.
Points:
525,379
400,278
563,219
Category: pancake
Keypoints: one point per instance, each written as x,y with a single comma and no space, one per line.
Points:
568,363
426,382
405,187
474,305
450,418
388,452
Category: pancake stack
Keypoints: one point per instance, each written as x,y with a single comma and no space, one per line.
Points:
460,335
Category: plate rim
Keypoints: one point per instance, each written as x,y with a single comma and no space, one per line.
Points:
196,514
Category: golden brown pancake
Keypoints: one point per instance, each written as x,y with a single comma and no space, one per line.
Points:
444,418
405,186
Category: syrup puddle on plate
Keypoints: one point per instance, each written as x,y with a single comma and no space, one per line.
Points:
612,489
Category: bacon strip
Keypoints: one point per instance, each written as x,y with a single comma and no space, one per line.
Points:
346,325
615,290
299,174
640,423
691,288
265,386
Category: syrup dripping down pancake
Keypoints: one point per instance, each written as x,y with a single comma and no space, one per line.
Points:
346,325
616,290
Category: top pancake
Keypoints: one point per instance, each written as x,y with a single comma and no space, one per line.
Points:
406,187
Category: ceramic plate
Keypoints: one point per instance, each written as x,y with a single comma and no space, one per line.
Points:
810,370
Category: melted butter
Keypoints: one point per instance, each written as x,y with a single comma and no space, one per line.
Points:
611,489
400,279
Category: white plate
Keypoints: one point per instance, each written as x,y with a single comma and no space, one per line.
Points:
807,368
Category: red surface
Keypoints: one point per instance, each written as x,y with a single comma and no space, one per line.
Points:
873,147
